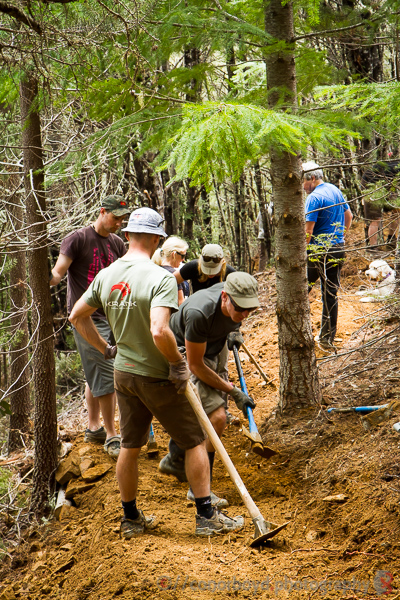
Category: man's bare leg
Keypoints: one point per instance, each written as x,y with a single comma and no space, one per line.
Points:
373,232
198,470
218,421
104,405
127,473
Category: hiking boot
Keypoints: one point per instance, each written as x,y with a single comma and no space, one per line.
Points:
219,523
132,527
215,501
99,436
113,446
169,466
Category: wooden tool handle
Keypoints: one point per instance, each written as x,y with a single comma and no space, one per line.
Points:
255,363
193,397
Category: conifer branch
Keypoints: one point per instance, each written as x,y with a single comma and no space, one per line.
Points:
226,14
338,29
21,16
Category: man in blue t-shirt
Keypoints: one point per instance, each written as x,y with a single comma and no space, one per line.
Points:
328,217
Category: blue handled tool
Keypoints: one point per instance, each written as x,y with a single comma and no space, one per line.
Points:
362,410
152,446
252,433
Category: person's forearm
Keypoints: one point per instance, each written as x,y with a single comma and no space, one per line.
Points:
181,297
87,329
55,280
165,341
347,221
208,376
309,230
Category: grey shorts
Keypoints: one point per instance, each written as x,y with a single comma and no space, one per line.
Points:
139,398
211,398
99,373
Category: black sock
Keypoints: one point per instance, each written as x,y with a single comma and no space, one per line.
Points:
211,456
204,507
130,510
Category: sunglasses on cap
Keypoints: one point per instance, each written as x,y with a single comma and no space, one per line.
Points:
238,308
214,259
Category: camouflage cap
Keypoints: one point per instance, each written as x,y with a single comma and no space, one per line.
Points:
116,205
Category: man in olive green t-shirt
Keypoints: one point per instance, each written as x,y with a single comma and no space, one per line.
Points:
137,297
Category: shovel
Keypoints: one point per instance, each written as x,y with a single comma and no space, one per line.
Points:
263,530
152,446
252,433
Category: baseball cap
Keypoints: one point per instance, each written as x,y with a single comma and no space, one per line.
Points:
116,205
211,259
145,220
243,288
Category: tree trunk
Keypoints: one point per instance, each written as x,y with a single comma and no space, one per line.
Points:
192,196
264,243
19,367
299,383
191,58
42,324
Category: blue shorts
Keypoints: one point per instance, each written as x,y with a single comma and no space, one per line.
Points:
99,372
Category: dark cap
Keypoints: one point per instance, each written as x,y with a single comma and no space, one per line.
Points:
145,220
116,205
243,288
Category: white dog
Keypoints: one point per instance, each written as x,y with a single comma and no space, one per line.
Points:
385,276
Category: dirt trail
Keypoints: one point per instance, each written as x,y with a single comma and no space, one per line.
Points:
347,547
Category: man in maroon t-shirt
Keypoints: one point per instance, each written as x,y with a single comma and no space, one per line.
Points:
83,254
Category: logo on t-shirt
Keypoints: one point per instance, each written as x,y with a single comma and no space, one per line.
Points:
117,294
100,261
123,286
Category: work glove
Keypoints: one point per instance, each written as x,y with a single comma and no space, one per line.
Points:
179,374
110,352
234,338
242,400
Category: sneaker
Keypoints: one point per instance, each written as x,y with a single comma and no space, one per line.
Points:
132,527
99,436
218,523
168,466
215,500
325,344
113,446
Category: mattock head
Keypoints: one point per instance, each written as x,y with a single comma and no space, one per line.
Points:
265,530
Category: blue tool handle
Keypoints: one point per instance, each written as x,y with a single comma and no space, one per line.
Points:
358,409
243,387
151,434
252,423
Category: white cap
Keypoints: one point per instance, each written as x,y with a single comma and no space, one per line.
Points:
311,165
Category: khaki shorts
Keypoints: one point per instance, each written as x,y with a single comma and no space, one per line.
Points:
139,398
99,372
211,398
373,212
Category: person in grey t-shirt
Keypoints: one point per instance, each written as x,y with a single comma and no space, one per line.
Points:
202,325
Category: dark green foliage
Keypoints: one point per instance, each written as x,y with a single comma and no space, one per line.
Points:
219,139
